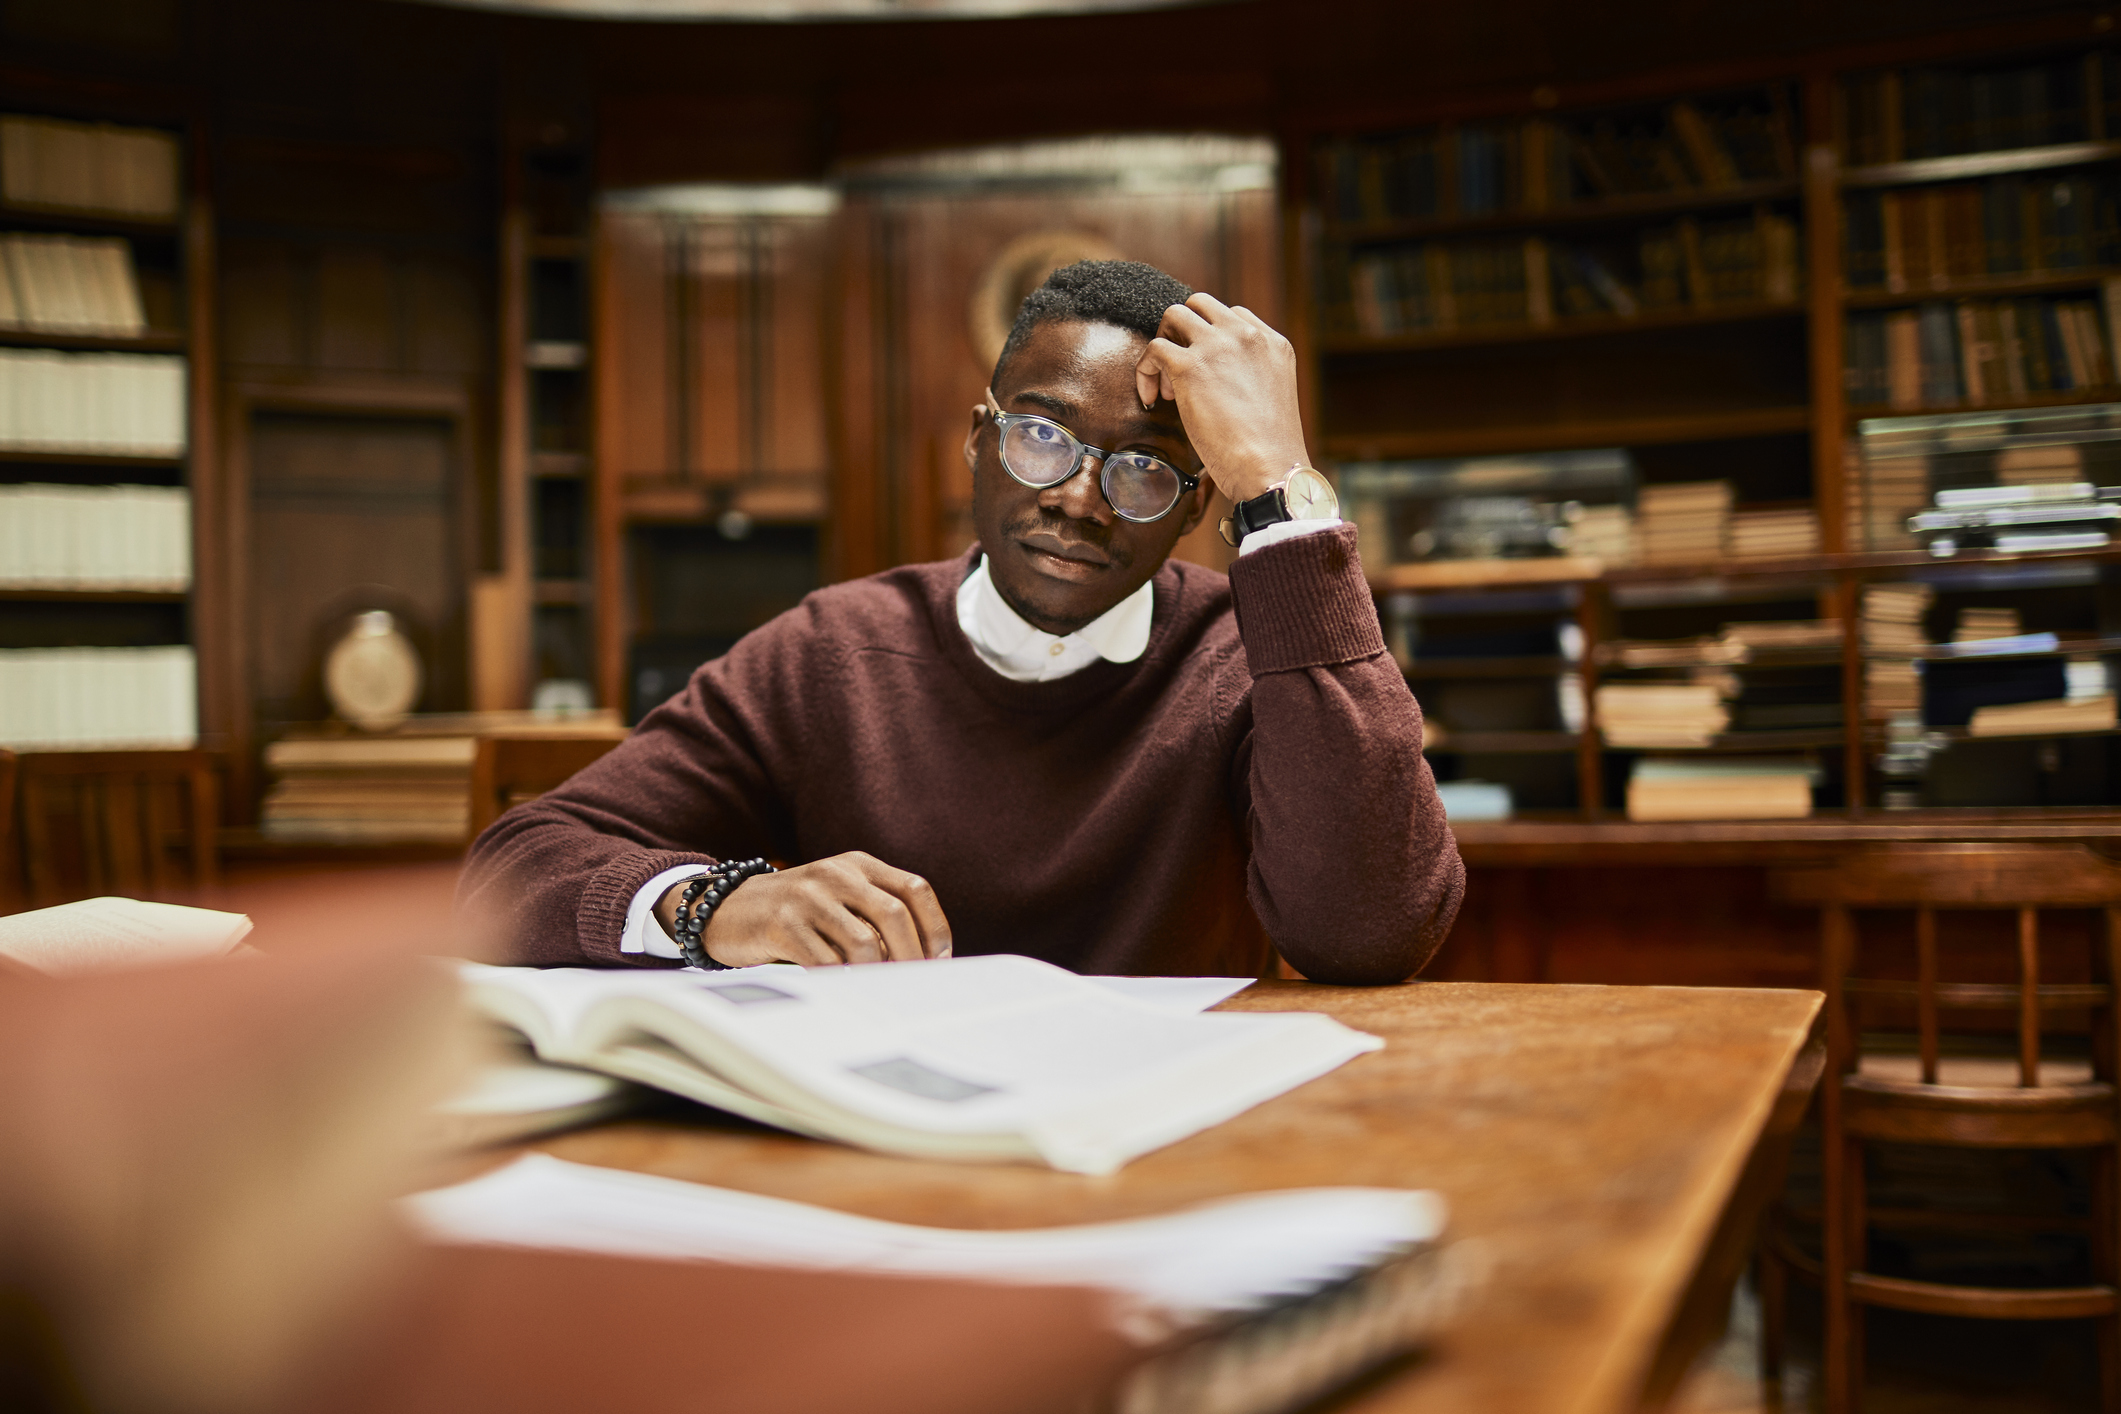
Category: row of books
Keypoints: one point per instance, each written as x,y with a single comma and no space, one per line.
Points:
1480,169
1435,285
1725,788
1899,115
1932,237
69,285
95,537
100,699
93,168
1693,522
1984,352
99,403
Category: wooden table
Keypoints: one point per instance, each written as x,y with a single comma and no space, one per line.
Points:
1603,1145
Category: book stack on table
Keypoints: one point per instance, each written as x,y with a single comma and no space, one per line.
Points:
1732,788
1662,714
1774,535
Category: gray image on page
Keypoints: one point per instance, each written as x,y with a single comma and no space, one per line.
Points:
751,994
904,1073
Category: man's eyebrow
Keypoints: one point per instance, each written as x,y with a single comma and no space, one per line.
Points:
1061,410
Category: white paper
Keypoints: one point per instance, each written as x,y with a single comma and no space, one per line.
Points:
1186,995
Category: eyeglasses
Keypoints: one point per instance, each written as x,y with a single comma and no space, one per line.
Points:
1039,452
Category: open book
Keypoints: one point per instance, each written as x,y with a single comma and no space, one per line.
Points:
98,934
980,1058
1253,1303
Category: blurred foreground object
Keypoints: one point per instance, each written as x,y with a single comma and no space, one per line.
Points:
198,1162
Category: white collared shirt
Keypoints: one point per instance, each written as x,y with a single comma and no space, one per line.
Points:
1012,647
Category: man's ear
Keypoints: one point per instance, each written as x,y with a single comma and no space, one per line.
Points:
1203,496
979,416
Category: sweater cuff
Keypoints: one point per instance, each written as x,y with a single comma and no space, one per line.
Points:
600,917
1304,603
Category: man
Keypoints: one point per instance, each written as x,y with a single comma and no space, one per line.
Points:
1059,745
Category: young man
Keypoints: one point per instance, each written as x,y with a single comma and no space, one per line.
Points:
1059,745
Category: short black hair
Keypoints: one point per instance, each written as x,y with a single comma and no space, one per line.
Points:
1122,292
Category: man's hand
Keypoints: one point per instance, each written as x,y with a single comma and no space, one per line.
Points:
1234,380
849,908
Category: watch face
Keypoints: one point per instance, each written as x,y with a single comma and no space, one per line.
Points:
1310,496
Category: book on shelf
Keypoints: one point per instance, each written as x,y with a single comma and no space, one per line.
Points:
95,537
99,699
1726,788
972,1059
2056,714
1896,115
102,934
1257,1303
1467,801
1783,634
1984,352
1661,714
1773,534
1682,522
69,285
98,169
1913,240
122,404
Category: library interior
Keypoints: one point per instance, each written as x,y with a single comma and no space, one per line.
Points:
1697,652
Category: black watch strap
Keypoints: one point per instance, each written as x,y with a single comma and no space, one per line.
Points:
1271,507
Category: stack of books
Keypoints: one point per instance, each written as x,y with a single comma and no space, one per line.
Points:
1888,491
54,165
99,699
1892,624
2061,463
1732,788
1672,653
409,785
1981,625
1661,714
2020,519
1774,535
96,537
1682,522
1603,533
122,404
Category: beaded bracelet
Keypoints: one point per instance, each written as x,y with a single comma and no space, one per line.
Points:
697,904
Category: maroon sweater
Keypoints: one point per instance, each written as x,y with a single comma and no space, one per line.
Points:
1255,768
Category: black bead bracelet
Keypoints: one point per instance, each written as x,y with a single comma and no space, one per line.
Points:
701,897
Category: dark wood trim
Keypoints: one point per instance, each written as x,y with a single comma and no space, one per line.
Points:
1633,207
1476,441
1970,166
154,341
1574,328
2034,282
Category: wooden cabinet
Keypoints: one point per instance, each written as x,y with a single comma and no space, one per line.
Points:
1704,271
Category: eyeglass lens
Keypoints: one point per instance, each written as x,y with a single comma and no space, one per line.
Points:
1041,453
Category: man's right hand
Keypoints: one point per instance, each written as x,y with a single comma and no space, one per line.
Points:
849,908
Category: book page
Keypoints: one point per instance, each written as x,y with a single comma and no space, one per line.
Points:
1216,1258
1180,994
979,1046
102,933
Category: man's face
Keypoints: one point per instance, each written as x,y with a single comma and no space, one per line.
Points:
1059,555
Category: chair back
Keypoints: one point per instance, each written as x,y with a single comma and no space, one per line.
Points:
117,822
2017,878
518,766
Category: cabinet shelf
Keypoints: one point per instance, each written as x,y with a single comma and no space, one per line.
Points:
154,341
1633,207
1430,669
1558,436
1502,743
34,594
1743,743
1971,165
32,456
2022,400
1569,328
2032,282
40,218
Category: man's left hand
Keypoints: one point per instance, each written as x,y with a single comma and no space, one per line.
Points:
1233,377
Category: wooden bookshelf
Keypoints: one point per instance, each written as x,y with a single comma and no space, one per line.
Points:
1525,387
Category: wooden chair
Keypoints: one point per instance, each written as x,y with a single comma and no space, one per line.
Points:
108,822
1931,1103
510,769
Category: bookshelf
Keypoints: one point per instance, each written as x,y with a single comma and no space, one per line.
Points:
1484,282
109,557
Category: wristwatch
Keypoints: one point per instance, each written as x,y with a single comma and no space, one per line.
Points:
1301,495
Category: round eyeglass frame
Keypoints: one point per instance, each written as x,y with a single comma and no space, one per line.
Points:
1003,421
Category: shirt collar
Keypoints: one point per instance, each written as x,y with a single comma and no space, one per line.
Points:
1119,635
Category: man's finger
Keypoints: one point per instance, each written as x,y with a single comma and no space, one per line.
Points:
850,935
1182,324
927,911
884,911
913,901
1206,307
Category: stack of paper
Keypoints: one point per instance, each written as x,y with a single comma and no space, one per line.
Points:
1661,713
2061,714
1732,788
1785,633
1980,625
1892,624
1774,535
1683,522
